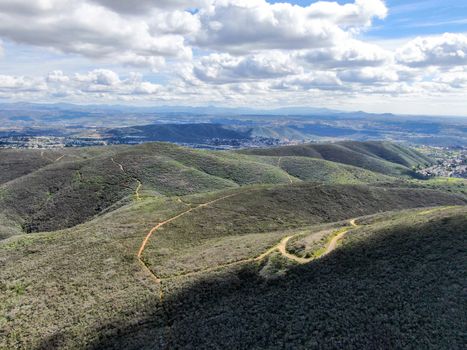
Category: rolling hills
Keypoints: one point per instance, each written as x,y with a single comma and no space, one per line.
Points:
159,246
380,157
82,183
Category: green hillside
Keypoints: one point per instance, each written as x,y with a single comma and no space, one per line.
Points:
319,170
195,241
391,152
16,163
158,246
184,133
82,186
381,157
395,284
91,273
82,183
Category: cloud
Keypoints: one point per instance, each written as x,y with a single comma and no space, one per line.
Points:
369,75
320,80
444,50
57,77
147,32
93,31
455,78
143,6
218,51
351,53
239,26
16,84
224,68
99,77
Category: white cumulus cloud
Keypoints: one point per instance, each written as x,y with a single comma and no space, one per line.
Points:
445,50
250,25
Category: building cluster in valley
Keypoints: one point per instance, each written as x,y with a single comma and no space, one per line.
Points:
50,142
449,163
47,142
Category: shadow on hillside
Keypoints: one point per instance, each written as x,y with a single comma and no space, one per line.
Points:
393,290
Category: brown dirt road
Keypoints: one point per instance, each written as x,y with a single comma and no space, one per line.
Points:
282,246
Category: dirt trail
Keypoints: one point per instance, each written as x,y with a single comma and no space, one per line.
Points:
233,263
59,158
43,155
279,166
159,225
149,272
139,184
137,195
118,164
282,246
179,200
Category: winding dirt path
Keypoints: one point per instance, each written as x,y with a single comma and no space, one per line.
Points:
138,188
139,184
43,155
229,264
118,164
282,246
163,223
150,273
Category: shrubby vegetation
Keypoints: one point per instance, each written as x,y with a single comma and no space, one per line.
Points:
395,282
188,243
380,157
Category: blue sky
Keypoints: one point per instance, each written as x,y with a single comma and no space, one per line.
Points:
408,18
374,55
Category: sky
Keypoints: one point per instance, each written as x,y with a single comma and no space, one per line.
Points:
405,57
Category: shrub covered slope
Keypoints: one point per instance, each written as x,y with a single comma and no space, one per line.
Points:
158,246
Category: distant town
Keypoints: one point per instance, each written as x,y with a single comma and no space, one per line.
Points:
51,142
450,162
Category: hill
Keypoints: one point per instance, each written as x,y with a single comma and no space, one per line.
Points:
82,183
17,163
392,284
381,157
319,170
211,278
80,186
253,218
162,246
182,133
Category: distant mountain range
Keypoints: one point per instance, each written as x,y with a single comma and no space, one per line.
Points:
204,110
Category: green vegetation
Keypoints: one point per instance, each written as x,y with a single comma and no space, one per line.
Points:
397,284
221,268
318,170
83,183
184,133
380,157
382,287
187,245
16,163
